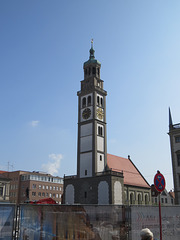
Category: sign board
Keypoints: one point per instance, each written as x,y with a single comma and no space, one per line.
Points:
159,182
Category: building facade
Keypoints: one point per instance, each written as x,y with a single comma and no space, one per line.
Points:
4,188
166,198
174,134
96,181
32,186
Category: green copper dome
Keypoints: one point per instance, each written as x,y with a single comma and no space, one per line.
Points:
91,56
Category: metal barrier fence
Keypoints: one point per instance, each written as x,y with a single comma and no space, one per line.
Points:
92,222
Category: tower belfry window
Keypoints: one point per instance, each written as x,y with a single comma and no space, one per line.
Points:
89,71
98,100
94,70
89,100
101,101
100,131
84,102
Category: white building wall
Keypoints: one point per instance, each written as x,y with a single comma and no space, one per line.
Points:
100,144
86,144
86,130
86,164
100,163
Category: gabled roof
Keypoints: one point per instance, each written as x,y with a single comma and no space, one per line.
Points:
132,175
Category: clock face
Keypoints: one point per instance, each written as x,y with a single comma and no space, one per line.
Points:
100,113
86,113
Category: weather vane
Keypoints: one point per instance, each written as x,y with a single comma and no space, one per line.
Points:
92,42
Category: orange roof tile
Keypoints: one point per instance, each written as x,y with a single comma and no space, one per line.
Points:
132,176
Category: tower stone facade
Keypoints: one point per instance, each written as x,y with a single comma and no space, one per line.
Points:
174,134
94,182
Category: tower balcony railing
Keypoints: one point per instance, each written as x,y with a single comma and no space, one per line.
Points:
107,172
110,172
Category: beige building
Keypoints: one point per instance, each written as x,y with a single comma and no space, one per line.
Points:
32,186
174,134
4,188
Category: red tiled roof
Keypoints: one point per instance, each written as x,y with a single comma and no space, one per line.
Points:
132,176
2,171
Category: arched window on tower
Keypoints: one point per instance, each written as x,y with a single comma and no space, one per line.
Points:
100,131
84,102
85,71
98,71
94,70
89,71
98,100
101,101
89,100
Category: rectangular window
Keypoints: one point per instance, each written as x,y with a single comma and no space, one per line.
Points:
34,194
85,194
39,194
85,172
34,186
39,186
177,139
178,159
1,191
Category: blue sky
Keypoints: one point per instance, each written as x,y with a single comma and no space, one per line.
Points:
43,46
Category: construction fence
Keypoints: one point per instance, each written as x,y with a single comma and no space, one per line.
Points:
92,222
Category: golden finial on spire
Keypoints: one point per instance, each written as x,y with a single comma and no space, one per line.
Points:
91,42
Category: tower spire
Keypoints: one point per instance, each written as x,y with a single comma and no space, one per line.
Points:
170,118
91,51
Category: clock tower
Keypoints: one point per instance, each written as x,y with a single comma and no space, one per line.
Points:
94,183
92,147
